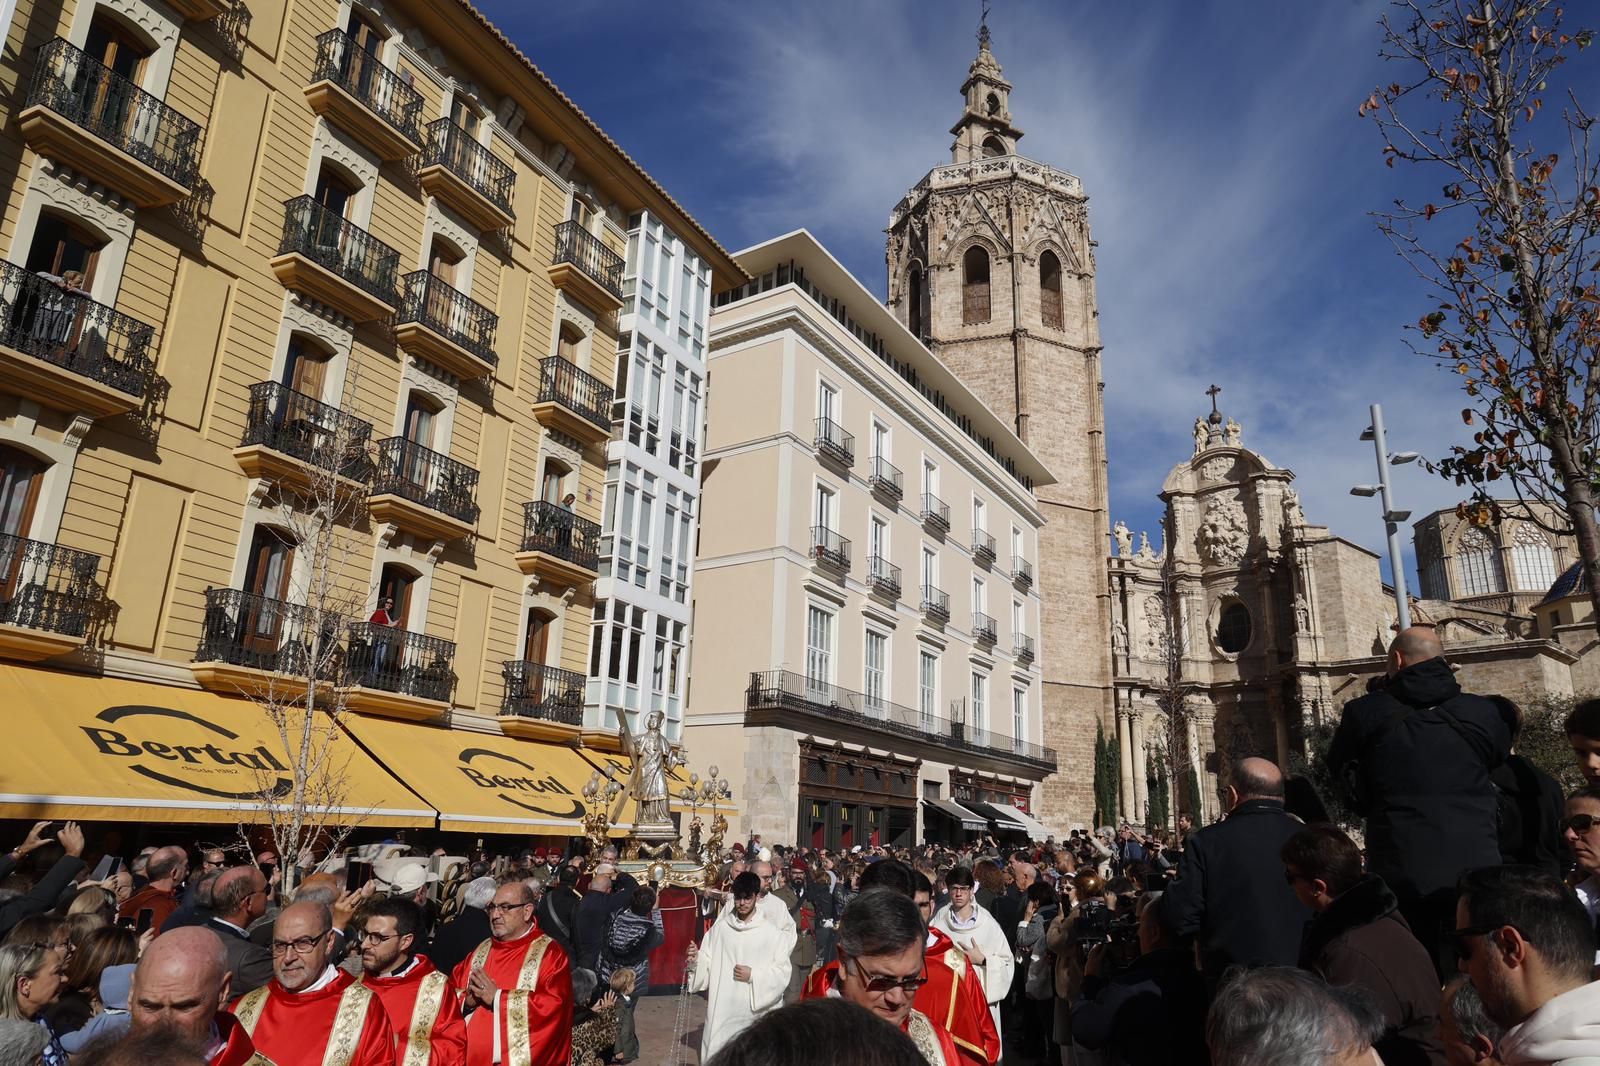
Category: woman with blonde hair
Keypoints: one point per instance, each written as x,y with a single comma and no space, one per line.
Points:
94,900
31,976
79,1000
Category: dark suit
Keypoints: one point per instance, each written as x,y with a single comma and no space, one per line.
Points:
459,937
250,963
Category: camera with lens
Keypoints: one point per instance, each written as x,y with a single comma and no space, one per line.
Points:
1093,923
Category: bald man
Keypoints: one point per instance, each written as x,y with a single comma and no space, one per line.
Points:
182,985
1417,754
167,869
1230,893
239,898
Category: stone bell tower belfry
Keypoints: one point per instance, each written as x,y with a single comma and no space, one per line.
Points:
991,265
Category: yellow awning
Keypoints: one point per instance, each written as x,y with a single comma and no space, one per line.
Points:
480,782
677,781
99,748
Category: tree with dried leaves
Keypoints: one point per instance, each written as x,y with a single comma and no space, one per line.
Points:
1508,248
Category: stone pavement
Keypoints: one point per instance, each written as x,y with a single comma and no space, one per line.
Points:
654,1018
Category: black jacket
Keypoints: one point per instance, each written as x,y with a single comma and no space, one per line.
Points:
594,910
1531,806
557,915
44,895
459,937
1230,892
248,962
1422,782
1151,1014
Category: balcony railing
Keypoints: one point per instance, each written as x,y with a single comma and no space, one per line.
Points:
1022,647
983,627
450,313
936,603
829,548
63,327
308,430
47,587
262,633
1021,571
789,693
935,512
551,528
883,576
834,443
355,70
450,146
584,250
425,477
534,690
96,98
322,236
395,660
982,547
576,389
886,478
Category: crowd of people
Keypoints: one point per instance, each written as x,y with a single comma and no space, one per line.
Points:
1459,925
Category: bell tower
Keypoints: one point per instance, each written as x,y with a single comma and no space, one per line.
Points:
991,264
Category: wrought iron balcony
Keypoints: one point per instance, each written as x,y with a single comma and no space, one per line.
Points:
426,478
307,430
830,549
160,148
348,252
473,171
534,690
832,442
777,697
883,577
1021,571
465,325
552,529
47,587
48,323
936,603
982,548
935,513
983,627
376,92
886,478
566,389
396,660
260,633
1022,647
598,265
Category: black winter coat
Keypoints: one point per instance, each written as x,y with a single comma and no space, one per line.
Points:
1230,891
1151,1014
1423,783
1531,807
459,937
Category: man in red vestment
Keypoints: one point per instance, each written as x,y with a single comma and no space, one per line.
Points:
422,1004
181,984
312,1013
516,989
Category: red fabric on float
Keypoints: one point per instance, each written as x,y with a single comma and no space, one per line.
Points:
680,921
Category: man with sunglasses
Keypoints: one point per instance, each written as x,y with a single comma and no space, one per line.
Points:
882,942
311,1005
516,988
420,1001
1581,829
743,966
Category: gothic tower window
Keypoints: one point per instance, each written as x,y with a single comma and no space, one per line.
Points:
914,298
1478,564
1050,290
1533,560
975,286
993,104
993,146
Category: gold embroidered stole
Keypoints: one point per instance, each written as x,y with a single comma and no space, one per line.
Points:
920,1030
519,1045
419,1042
343,1038
250,1007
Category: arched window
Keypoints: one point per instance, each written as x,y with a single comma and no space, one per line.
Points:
975,285
993,146
1532,559
914,301
1233,628
1478,564
1050,290
993,104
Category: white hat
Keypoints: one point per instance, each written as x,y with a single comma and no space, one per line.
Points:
404,877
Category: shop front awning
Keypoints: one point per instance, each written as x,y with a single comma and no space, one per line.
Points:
677,781
106,749
1037,830
482,782
1003,822
963,817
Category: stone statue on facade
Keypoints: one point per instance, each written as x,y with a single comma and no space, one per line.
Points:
1200,435
1144,547
654,757
1293,516
1119,637
1302,613
1231,432
1124,539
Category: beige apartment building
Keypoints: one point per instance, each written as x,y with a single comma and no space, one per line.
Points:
253,255
867,663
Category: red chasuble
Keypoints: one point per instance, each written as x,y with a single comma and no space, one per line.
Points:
932,1040
237,1050
530,1023
340,1024
424,1008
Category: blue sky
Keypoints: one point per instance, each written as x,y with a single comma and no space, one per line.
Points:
1229,178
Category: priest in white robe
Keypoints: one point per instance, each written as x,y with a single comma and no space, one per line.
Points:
974,930
743,966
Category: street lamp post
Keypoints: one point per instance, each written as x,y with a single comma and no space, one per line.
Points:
1391,517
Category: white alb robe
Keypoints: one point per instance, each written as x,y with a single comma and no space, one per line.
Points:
999,965
732,1006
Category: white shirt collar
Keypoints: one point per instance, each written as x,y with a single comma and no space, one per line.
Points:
322,982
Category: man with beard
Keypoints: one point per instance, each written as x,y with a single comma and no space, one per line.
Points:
516,989
743,966
181,985
311,1011
421,1002
882,966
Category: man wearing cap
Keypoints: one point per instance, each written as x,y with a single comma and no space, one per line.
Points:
412,880
420,1001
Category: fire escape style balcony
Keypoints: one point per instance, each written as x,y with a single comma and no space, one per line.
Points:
935,513
588,270
336,263
398,674
541,702
360,94
1022,647
886,479
82,113
422,492
983,628
982,548
557,545
290,438
936,604
48,598
833,443
573,401
258,645
61,348
794,701
829,549
883,578
466,175
446,327
1021,571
